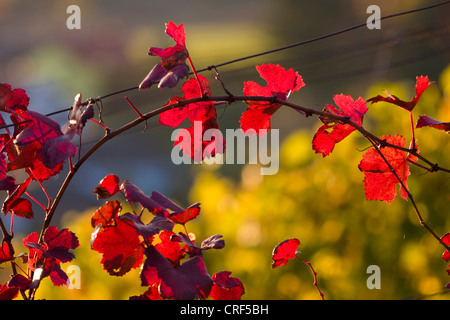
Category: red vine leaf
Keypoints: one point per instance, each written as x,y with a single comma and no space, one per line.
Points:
54,250
380,183
170,248
422,83
426,121
120,247
173,61
176,32
333,131
17,205
446,239
22,208
187,282
5,253
284,251
202,117
182,217
226,287
106,213
12,99
280,83
107,187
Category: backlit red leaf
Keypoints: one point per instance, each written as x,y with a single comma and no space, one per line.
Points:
170,249
5,253
422,83
198,111
380,183
107,187
333,131
226,287
106,213
184,216
120,247
284,251
176,32
12,99
280,83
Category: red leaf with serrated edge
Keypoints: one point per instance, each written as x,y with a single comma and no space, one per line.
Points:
41,130
198,111
106,213
280,83
63,239
226,287
176,32
171,250
158,223
426,121
120,247
57,150
284,251
5,253
332,131
54,250
107,187
422,83
187,215
380,183
13,198
12,99
446,239
202,117
22,208
173,61
189,281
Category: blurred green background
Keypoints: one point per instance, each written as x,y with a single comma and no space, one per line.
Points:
319,201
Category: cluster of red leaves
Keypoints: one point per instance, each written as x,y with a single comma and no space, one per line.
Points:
37,144
446,255
172,265
202,115
44,260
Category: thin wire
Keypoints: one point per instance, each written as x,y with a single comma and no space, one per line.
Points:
323,36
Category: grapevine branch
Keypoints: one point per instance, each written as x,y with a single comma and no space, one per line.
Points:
379,143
